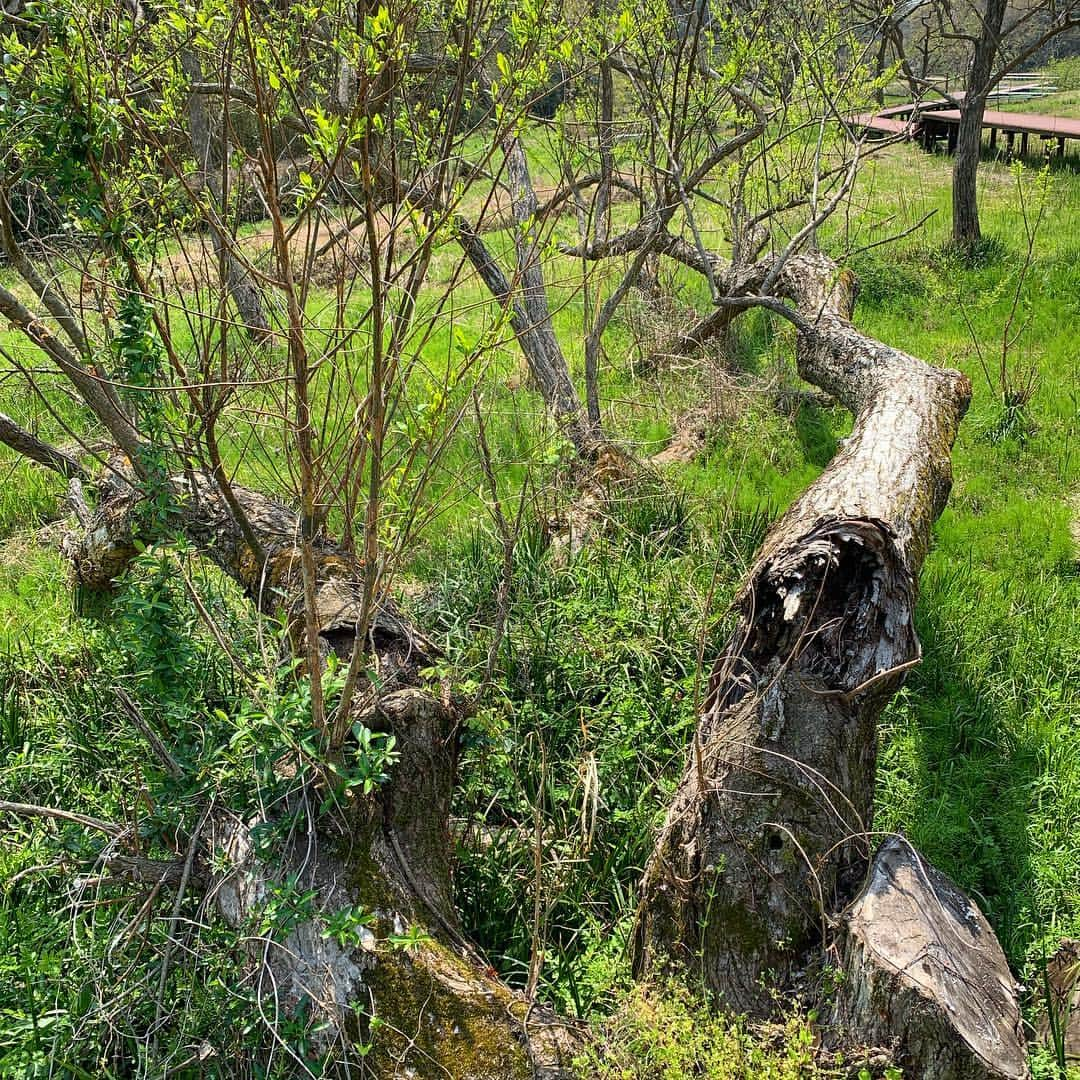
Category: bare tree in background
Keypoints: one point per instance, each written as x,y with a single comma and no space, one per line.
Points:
983,41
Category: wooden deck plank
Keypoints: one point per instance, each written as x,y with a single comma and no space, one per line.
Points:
872,122
1033,123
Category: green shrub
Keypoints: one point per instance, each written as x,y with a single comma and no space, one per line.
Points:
1065,72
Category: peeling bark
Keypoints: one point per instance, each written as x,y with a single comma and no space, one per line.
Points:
767,828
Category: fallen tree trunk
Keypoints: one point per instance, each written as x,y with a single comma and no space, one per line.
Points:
382,858
768,828
767,833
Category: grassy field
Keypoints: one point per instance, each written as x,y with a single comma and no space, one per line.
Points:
595,684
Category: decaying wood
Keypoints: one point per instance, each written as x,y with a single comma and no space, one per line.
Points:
439,1010
922,968
766,830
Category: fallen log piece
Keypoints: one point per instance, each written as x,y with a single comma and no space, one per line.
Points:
923,970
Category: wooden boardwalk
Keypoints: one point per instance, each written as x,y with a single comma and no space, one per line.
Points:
931,123
908,107
882,124
945,123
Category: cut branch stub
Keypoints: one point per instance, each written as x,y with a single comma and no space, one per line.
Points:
923,968
765,835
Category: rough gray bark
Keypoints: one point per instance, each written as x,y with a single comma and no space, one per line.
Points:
534,328
240,284
767,827
966,230
922,967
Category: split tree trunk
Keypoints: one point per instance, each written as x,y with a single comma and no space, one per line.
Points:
441,1010
768,826
922,963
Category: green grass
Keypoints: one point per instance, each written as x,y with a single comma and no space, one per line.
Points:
584,726
664,1032
1064,103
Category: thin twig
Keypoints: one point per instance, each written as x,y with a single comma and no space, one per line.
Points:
161,751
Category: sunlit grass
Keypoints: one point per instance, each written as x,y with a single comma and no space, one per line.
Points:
979,758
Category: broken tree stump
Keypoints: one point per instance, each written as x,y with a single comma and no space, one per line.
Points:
924,970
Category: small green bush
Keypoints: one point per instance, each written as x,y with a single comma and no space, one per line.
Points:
1065,72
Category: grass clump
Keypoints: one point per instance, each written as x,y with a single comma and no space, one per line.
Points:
666,1032
885,280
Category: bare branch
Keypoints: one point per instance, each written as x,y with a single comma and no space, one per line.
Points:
32,810
30,446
